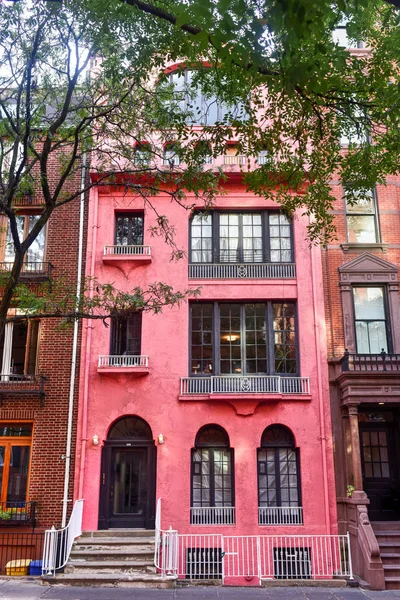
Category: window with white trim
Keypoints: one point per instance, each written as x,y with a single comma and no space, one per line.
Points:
361,217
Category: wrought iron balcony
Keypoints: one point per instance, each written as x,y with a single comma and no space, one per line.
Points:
252,384
17,513
212,515
29,385
131,253
280,515
31,271
370,362
242,271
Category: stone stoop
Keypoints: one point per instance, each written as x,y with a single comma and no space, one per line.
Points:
112,558
388,537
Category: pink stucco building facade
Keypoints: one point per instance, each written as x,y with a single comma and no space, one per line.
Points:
220,407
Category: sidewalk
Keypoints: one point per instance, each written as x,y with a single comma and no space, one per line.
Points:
11,590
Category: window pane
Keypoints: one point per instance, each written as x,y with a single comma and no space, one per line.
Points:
284,338
35,252
9,250
256,338
230,339
18,474
129,229
369,303
364,204
201,239
280,239
201,339
361,229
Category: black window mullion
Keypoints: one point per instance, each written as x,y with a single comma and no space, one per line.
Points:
269,339
240,248
216,339
243,338
216,244
212,477
265,224
277,478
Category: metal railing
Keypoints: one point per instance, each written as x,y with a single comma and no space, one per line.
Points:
252,384
58,542
212,515
17,513
213,556
18,551
165,547
30,269
123,361
243,271
370,362
280,515
32,385
119,250
238,159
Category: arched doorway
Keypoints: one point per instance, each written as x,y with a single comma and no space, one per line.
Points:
128,476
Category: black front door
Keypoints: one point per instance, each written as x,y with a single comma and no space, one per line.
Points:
127,497
380,470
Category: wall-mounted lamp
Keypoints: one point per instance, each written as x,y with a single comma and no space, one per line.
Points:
160,438
95,440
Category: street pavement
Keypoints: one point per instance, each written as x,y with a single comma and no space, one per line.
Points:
22,590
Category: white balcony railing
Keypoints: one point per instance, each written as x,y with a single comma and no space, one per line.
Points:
238,159
253,384
280,515
123,361
243,271
119,250
212,515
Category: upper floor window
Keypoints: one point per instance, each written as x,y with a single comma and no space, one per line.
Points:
129,229
126,335
15,449
361,218
171,156
142,155
243,339
341,37
19,348
228,237
371,322
278,469
201,108
36,252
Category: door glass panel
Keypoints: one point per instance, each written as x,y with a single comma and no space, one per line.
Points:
375,454
18,474
130,482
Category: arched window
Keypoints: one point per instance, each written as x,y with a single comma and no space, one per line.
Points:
212,493
130,427
278,478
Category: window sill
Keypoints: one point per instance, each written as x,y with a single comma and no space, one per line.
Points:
352,246
110,259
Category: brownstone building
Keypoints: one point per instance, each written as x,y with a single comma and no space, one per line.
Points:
39,375
363,325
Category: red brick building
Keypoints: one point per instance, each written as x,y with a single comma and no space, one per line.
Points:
363,331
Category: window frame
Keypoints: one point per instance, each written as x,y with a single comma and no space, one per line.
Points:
270,341
6,344
388,328
113,334
265,236
9,442
25,231
375,216
277,447
128,215
211,474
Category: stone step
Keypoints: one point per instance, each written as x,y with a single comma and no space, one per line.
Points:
110,580
111,547
109,533
115,541
391,570
390,558
114,553
392,583
392,547
385,525
387,536
110,566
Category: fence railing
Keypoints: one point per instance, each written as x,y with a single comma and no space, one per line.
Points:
120,250
123,361
370,362
22,384
280,515
214,556
17,513
238,159
212,515
58,542
252,384
30,269
243,271
18,551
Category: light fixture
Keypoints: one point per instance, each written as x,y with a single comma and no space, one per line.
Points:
231,338
160,438
95,440
380,403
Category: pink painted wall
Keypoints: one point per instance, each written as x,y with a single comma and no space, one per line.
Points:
154,397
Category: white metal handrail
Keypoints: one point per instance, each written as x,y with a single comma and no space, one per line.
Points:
124,360
165,547
132,250
212,515
252,384
237,159
58,542
280,515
